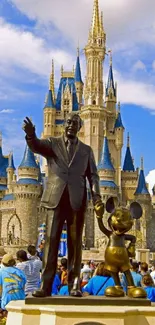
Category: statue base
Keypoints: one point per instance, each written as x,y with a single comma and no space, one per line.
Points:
87,301
80,311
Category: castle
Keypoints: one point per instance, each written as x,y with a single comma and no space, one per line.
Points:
96,102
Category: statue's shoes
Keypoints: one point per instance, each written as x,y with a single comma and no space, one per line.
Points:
116,291
136,292
40,293
75,293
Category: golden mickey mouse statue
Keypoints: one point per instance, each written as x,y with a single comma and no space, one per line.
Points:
116,253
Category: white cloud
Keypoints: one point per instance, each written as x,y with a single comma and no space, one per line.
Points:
125,21
22,49
150,179
6,111
136,92
139,65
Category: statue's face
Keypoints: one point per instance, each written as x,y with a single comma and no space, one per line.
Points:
72,126
121,221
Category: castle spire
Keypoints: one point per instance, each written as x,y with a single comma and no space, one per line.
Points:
105,161
52,88
141,187
11,161
28,160
128,161
95,26
118,122
78,77
110,84
142,163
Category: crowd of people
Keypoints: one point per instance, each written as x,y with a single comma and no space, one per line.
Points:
20,276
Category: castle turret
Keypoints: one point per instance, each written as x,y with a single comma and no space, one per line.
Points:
107,173
129,176
10,171
142,195
128,165
78,80
27,192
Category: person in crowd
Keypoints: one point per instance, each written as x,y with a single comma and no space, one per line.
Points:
148,286
137,278
32,253
63,273
99,282
31,268
144,268
86,274
153,272
56,285
12,281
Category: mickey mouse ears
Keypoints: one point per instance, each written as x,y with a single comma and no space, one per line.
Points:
136,210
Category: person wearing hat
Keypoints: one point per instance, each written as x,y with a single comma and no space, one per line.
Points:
12,281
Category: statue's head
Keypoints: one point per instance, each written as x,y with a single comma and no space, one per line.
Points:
121,219
73,125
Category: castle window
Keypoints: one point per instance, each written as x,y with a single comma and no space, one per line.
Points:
66,102
94,102
94,129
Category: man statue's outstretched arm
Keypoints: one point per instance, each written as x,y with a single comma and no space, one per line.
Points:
42,147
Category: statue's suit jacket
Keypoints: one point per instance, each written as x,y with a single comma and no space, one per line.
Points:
62,173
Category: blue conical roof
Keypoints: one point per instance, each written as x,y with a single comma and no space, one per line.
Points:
78,77
141,188
28,159
11,162
105,161
110,84
49,103
128,161
118,122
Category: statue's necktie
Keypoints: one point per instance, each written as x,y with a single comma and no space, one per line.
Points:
70,149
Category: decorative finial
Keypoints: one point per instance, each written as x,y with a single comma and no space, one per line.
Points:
73,69
101,21
119,107
62,70
142,163
105,128
128,140
52,80
110,57
78,50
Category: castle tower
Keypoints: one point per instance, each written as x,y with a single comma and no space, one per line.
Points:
95,54
27,192
129,176
78,80
93,112
142,195
10,171
49,109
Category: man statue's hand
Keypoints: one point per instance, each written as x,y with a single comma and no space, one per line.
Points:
99,208
28,127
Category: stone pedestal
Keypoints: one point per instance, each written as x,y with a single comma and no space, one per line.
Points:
142,255
20,313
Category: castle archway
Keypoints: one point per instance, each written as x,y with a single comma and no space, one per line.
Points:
14,230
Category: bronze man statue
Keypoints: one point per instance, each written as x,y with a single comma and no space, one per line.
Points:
70,162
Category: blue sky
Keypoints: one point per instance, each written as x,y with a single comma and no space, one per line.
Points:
32,32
